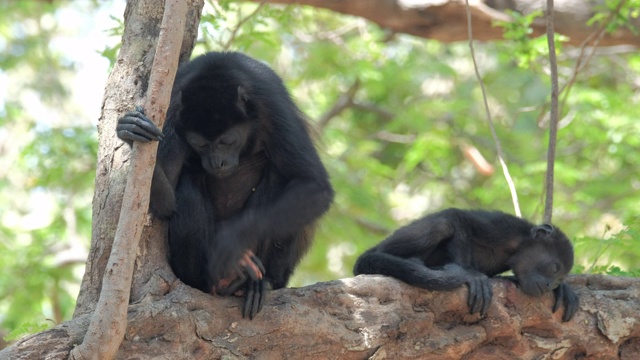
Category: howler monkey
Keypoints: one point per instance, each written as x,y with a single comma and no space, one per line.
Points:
453,247
237,176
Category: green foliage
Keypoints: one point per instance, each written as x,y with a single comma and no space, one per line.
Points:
397,152
111,52
609,254
26,329
47,171
615,14
527,50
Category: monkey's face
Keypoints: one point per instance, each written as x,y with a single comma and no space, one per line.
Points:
220,157
538,270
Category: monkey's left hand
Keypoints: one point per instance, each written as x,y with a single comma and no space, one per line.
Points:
564,295
254,297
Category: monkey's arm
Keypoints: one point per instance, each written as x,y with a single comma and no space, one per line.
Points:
136,126
404,253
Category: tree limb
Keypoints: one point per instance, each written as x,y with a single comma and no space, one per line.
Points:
444,20
370,317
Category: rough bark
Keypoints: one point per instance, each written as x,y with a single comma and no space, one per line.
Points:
445,20
127,87
109,320
370,317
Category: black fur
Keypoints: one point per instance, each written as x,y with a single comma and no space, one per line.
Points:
236,172
453,247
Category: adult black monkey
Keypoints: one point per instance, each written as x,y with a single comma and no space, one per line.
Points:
237,177
453,247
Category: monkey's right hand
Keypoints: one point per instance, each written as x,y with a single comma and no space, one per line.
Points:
248,265
480,293
136,126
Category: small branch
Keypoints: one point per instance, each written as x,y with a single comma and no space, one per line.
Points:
109,320
553,117
503,164
582,62
344,101
381,112
240,23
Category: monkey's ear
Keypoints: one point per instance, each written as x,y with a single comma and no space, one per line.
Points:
244,103
541,231
243,98
243,95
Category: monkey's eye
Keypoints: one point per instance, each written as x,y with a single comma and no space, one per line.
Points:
196,141
226,142
555,268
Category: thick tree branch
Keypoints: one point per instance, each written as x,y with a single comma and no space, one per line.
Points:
370,317
445,20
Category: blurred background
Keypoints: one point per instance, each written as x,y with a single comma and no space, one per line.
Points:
399,120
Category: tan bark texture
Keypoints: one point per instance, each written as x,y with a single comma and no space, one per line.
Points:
369,317
445,20
126,88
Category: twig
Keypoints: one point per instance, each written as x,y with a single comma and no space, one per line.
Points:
553,117
240,23
503,164
581,63
109,320
344,101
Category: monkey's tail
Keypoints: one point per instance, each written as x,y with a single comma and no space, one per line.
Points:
412,271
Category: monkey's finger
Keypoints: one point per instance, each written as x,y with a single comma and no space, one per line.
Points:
248,301
571,304
129,136
135,128
559,297
235,285
251,268
487,294
256,301
237,278
473,300
258,263
570,309
263,292
141,120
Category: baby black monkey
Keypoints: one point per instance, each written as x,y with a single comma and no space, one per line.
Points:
453,247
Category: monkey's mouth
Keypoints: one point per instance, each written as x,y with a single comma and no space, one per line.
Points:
221,173
217,171
534,289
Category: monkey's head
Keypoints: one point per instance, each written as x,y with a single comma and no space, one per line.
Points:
542,262
218,129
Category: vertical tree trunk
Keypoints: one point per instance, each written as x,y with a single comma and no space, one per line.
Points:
126,87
